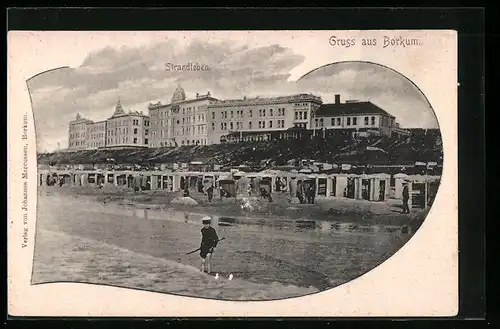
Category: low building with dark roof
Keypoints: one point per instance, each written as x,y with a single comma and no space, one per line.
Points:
362,118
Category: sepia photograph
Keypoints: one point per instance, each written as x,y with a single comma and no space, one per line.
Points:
229,166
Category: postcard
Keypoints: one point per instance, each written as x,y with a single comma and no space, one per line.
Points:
232,173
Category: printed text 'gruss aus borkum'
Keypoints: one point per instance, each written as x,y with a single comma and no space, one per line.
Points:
385,42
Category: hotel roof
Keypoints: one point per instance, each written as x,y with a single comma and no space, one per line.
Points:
159,104
267,100
80,119
349,108
129,113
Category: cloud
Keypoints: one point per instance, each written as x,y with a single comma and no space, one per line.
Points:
380,85
137,76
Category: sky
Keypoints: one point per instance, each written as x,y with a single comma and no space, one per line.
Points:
133,70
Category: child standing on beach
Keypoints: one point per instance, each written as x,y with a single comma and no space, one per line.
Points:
209,241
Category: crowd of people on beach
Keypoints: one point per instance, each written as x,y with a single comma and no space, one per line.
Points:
54,179
303,190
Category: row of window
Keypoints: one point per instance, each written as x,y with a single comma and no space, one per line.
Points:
367,120
185,111
191,110
350,121
95,144
192,130
188,110
239,113
194,142
279,112
229,114
95,128
164,133
77,135
117,140
124,140
223,125
300,115
169,144
200,118
122,131
239,125
97,136
118,131
78,127
77,143
125,122
192,119
117,123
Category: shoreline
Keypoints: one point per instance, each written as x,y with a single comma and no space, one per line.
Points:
330,209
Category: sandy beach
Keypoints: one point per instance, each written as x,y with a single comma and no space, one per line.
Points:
270,257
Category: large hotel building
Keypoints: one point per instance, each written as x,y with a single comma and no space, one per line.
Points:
242,116
206,120
122,129
182,122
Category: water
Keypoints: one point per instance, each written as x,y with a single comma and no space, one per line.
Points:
320,227
305,253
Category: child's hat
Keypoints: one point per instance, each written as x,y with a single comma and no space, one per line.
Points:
206,220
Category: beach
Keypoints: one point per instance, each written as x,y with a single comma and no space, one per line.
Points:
80,238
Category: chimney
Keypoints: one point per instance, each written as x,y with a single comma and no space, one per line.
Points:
197,95
337,99
208,94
